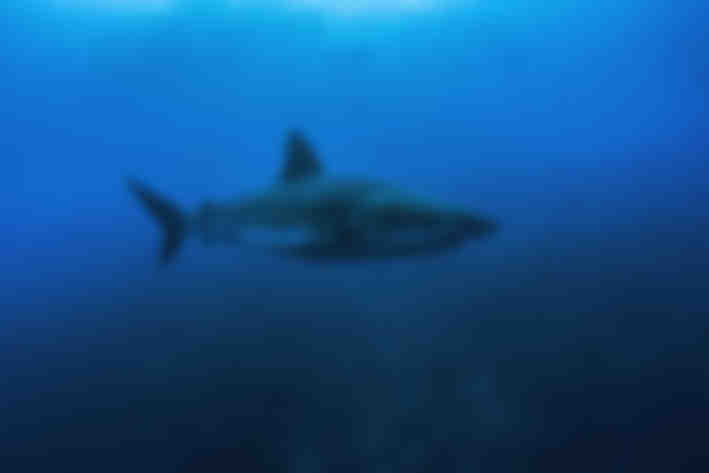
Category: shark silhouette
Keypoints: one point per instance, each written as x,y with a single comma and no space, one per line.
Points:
320,217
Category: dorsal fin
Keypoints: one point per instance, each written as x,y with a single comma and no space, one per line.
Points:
300,159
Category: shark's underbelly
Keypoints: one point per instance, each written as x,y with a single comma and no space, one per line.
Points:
372,245
277,237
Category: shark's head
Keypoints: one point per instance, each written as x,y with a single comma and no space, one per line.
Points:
397,221
387,223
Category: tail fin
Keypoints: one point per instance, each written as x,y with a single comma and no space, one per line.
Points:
168,215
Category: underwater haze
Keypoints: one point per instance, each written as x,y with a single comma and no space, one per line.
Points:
573,339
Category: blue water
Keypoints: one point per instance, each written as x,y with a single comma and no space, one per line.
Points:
574,340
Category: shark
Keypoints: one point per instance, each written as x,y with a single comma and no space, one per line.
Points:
310,214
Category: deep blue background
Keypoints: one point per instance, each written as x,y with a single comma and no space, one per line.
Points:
575,340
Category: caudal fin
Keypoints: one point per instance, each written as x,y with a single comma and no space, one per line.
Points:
168,215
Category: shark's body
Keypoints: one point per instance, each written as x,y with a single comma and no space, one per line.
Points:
320,217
